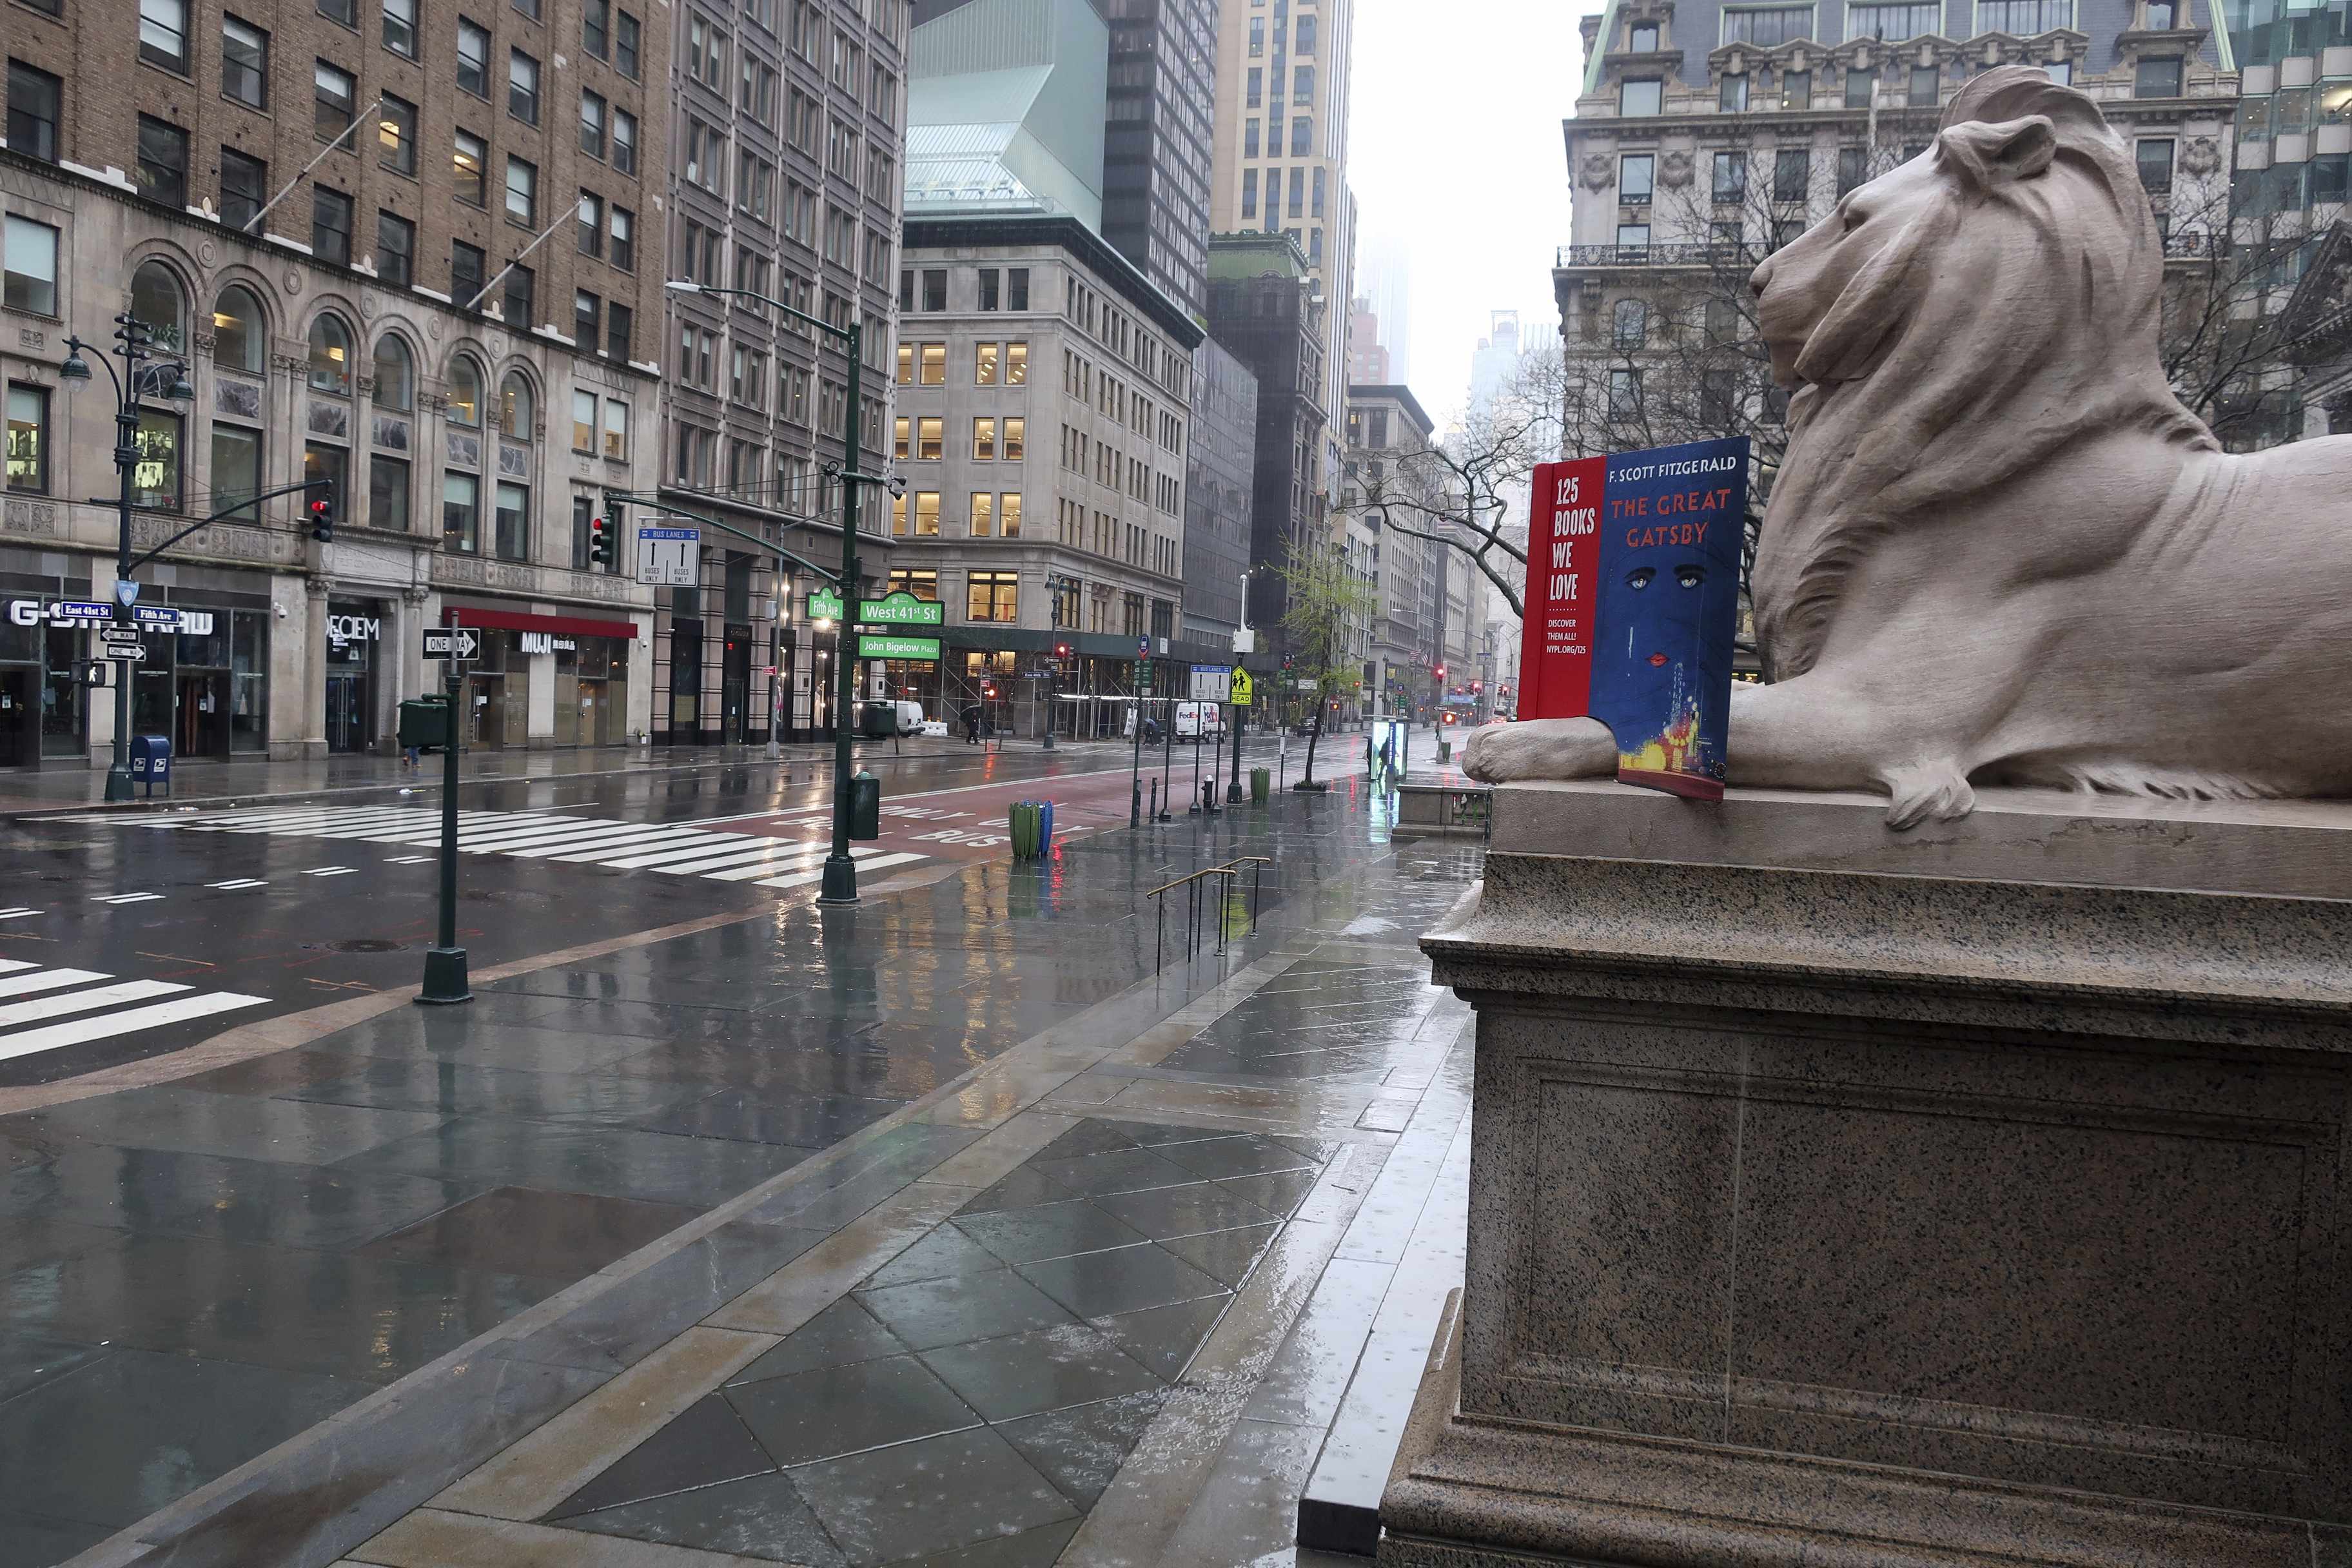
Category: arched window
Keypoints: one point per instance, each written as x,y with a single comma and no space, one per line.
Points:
515,415
240,336
395,374
156,299
1629,324
330,356
464,393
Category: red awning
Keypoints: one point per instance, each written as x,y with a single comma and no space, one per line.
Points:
515,621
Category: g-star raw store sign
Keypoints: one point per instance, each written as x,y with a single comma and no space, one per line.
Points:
81,614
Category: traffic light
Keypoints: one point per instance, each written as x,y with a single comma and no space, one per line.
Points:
1440,672
1061,650
600,542
323,512
987,693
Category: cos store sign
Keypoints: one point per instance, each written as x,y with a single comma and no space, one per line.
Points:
68,613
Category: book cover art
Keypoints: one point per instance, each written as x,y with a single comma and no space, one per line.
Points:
1668,569
1562,587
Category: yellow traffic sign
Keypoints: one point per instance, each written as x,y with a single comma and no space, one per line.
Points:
1238,691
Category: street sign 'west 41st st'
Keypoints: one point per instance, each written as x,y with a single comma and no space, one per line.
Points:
462,643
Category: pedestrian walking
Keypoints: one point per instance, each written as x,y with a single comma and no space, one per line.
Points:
971,717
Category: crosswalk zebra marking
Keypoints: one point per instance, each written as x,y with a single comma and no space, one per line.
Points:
236,882
49,980
411,860
18,914
331,871
84,1001
126,898
81,1031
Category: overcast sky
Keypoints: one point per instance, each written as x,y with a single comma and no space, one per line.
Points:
1454,153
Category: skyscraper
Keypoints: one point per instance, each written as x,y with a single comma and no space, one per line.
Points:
1157,140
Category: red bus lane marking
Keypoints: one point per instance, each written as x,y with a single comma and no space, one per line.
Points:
969,824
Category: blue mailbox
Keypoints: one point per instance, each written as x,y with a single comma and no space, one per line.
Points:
151,762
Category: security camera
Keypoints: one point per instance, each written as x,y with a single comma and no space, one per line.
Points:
897,486
281,611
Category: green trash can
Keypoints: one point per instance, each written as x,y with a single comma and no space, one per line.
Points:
864,806
1261,786
425,722
1028,823
1444,751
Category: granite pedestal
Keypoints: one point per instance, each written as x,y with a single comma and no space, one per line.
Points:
1840,1197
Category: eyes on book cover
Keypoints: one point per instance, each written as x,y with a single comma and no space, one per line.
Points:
1633,597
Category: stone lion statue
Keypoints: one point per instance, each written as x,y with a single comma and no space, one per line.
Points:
1999,550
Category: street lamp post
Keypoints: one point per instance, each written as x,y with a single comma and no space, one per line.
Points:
840,884
136,342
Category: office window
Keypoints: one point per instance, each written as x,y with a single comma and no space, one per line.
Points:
1297,192
163,34
343,11
465,273
469,164
1624,394
990,280
520,294
395,250
245,186
983,439
2059,71
1629,325
1926,87
1640,96
162,172
1796,89
590,230
994,596
1730,177
935,288
522,86
332,91
29,439
1861,86
624,241
2024,18
1896,23
2160,15
2156,164
1256,85
31,266
1731,95
236,470
465,402
1249,192
514,524
984,514
935,364
625,45
1632,235
387,489
1636,172
905,364
1016,293
244,65
987,358
1302,133
1786,231
592,124
587,318
1249,137
1016,364
516,411
474,57
619,323
2158,78
902,435
624,141
1256,37
1854,168
330,356
616,429
522,192
929,438
1792,169
1014,438
1302,92
1008,515
596,27
1302,36
528,7
331,225
395,375
395,135
926,511
400,27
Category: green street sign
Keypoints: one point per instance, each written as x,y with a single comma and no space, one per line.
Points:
875,644
824,604
901,609
1142,676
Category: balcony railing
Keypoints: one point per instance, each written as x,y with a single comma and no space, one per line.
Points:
2190,245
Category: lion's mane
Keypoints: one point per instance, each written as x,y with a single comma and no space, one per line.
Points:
1950,363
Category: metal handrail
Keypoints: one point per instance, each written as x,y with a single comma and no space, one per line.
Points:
1195,904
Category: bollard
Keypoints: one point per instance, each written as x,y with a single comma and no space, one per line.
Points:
1155,800
1208,796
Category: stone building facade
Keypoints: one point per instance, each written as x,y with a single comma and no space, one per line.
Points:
402,252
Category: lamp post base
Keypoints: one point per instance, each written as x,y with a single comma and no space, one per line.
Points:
444,977
118,783
840,884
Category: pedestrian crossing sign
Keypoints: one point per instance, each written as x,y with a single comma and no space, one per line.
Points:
1239,690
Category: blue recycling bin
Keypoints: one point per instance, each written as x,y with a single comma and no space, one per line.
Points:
151,762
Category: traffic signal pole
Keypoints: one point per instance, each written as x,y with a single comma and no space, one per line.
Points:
445,963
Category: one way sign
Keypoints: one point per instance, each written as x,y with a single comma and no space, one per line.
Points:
453,642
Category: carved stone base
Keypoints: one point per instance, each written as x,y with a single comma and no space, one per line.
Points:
1828,1218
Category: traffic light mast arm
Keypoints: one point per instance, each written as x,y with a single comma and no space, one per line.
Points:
668,510
223,515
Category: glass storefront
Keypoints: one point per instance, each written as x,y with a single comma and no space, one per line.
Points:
205,684
354,626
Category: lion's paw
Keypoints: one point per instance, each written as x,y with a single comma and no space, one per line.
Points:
1932,792
1540,749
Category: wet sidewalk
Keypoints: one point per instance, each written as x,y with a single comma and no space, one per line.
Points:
935,1231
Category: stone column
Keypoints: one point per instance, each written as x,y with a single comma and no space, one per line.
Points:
314,668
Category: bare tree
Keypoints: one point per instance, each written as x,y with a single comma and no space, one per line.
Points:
1326,601
2223,337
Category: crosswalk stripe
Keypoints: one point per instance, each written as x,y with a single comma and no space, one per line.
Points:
709,858
656,846
10,966
82,1030
84,1001
49,980
493,840
588,848
16,914
804,878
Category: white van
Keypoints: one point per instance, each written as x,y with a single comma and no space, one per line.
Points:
1199,722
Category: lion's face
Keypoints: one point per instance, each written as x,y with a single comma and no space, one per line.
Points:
1796,286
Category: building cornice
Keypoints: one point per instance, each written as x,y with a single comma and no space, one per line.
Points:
1064,233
